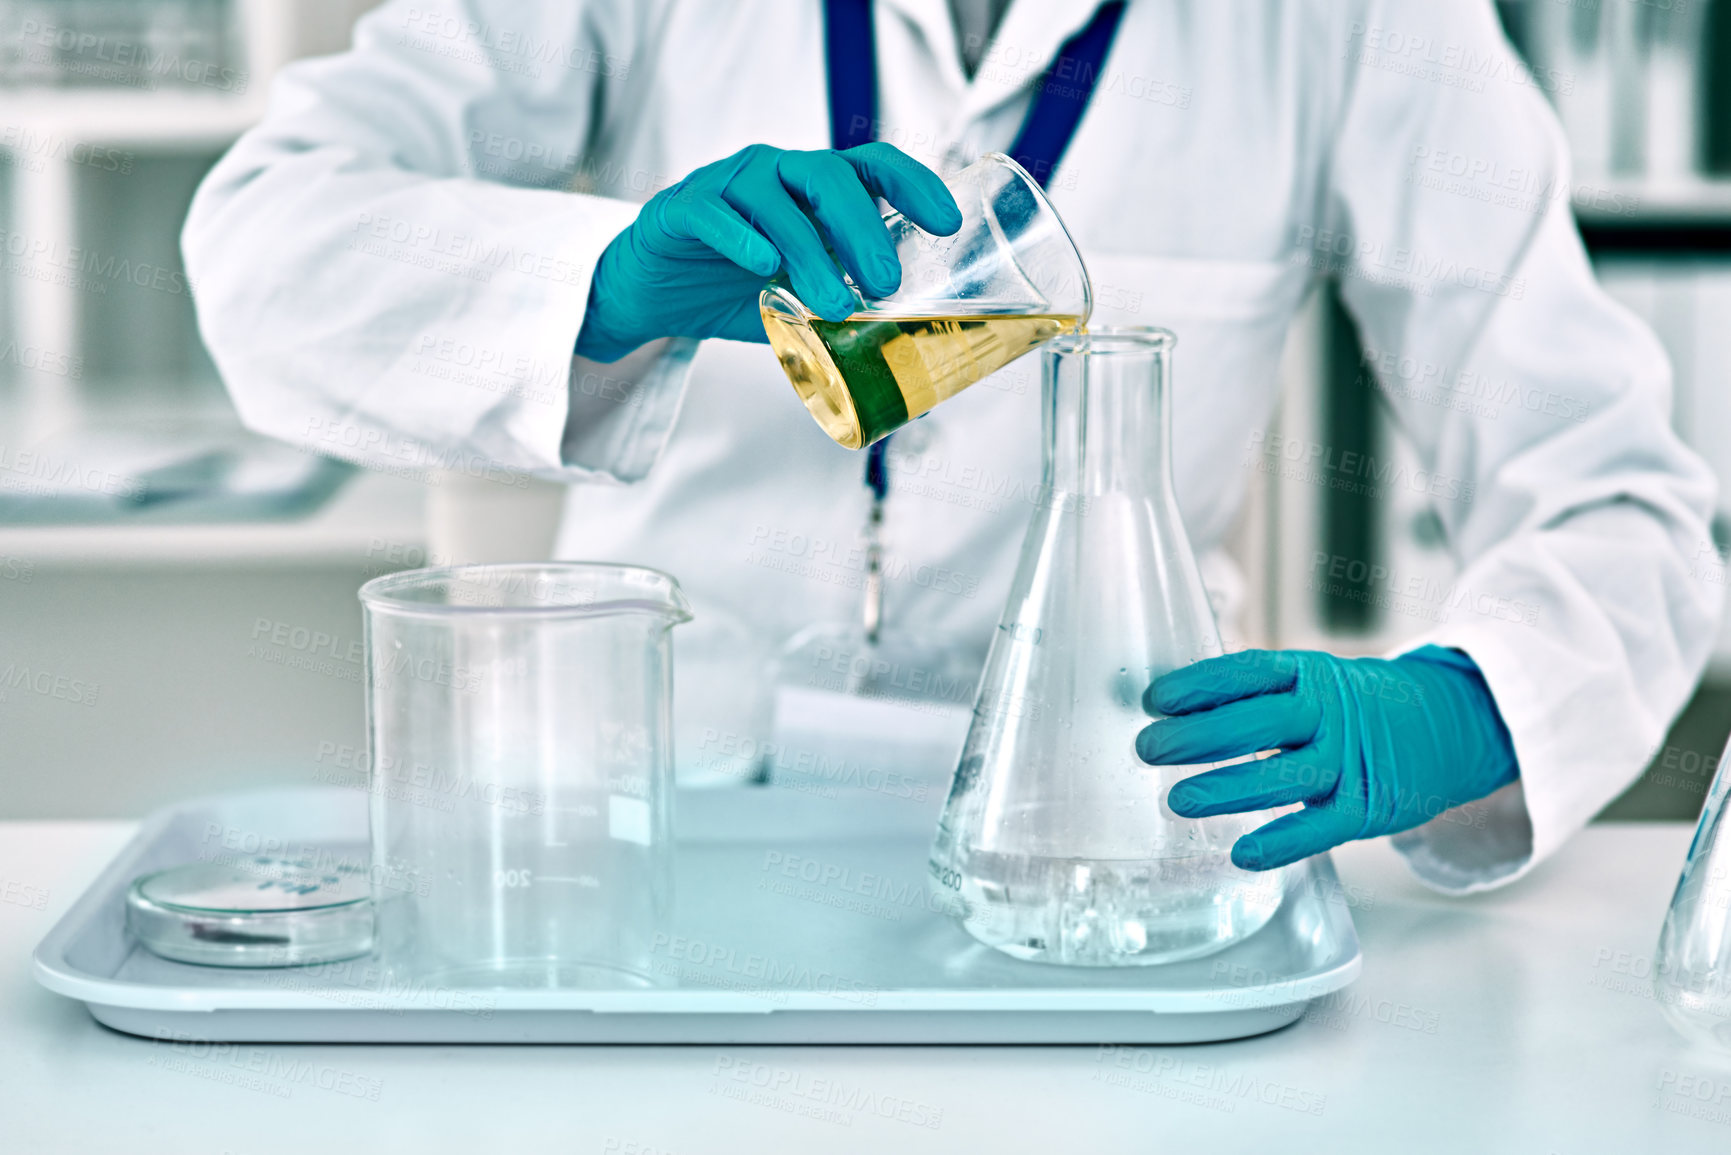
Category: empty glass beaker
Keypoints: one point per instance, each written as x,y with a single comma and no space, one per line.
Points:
521,770
968,305
1056,838
1692,971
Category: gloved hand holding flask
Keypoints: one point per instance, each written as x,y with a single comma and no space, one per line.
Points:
1369,746
694,261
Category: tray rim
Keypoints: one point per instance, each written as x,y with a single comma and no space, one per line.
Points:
52,969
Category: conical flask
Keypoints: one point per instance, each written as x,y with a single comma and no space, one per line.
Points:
1056,843
1692,971
968,305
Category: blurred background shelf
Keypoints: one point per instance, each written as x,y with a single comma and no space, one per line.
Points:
163,120
1642,201
372,519
1679,218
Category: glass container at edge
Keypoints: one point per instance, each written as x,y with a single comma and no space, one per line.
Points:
1692,968
1056,843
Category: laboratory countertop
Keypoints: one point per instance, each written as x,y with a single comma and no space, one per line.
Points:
1516,1021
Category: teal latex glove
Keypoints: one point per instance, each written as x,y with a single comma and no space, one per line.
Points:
1370,746
698,254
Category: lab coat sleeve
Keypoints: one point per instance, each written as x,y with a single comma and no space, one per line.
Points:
1539,408
389,267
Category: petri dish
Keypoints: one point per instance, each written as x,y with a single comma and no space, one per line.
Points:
258,911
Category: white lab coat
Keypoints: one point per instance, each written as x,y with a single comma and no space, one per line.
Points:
393,266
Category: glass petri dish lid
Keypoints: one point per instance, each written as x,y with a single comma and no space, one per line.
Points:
257,911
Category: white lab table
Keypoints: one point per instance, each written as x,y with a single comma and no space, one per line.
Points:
1519,1021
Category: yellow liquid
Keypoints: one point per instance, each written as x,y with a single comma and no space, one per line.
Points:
867,376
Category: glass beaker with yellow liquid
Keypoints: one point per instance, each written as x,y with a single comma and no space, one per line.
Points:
1009,280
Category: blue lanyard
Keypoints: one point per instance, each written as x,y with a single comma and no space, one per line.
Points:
850,50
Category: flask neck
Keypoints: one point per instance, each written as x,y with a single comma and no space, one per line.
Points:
1108,419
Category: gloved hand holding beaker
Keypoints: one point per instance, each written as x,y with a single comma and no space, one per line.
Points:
1369,746
694,261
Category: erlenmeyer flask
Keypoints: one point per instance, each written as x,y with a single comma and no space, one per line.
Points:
1056,838
968,305
1692,973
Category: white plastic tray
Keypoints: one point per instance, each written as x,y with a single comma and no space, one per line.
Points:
801,919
